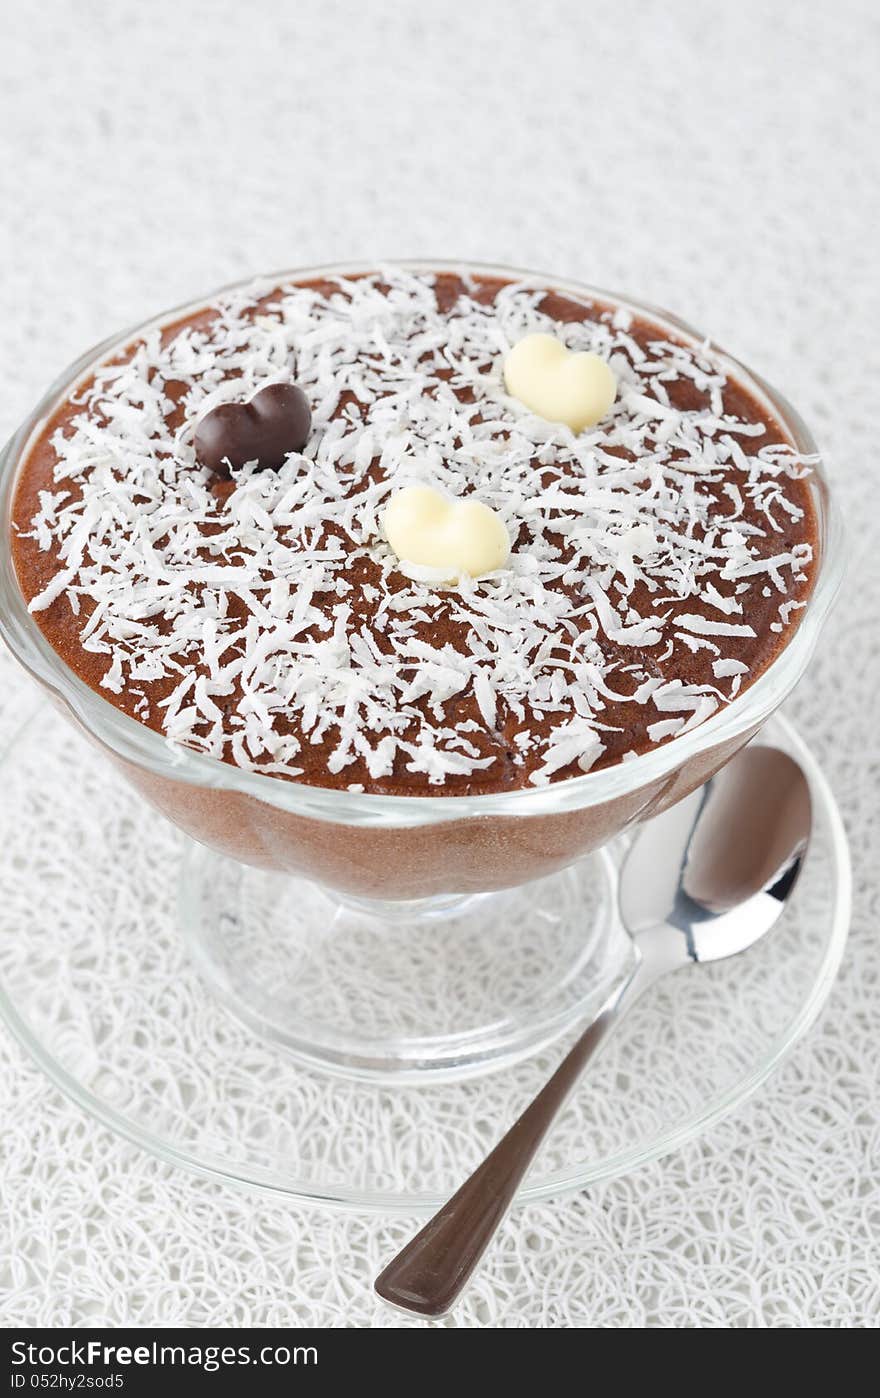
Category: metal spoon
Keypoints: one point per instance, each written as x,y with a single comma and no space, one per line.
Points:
703,881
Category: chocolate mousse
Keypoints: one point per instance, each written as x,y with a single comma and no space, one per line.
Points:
198,531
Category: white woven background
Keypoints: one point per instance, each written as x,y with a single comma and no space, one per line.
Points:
718,158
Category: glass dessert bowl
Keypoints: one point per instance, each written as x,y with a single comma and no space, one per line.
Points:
294,893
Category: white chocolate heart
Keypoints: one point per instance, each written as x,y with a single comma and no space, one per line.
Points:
448,538
560,384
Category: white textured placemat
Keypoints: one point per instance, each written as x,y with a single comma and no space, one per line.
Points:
717,158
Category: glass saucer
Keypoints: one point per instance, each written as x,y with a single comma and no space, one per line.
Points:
98,986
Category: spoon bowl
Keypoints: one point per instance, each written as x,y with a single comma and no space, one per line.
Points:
710,876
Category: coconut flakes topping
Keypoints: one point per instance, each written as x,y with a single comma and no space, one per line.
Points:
257,623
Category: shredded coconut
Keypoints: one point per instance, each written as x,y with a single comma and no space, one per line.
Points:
276,618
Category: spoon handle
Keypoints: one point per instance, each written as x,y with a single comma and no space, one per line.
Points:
428,1274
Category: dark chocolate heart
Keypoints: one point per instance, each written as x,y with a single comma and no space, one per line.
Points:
275,421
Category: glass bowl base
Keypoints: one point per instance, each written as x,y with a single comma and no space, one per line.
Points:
97,983
445,988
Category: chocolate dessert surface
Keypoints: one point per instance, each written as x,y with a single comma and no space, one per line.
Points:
659,559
